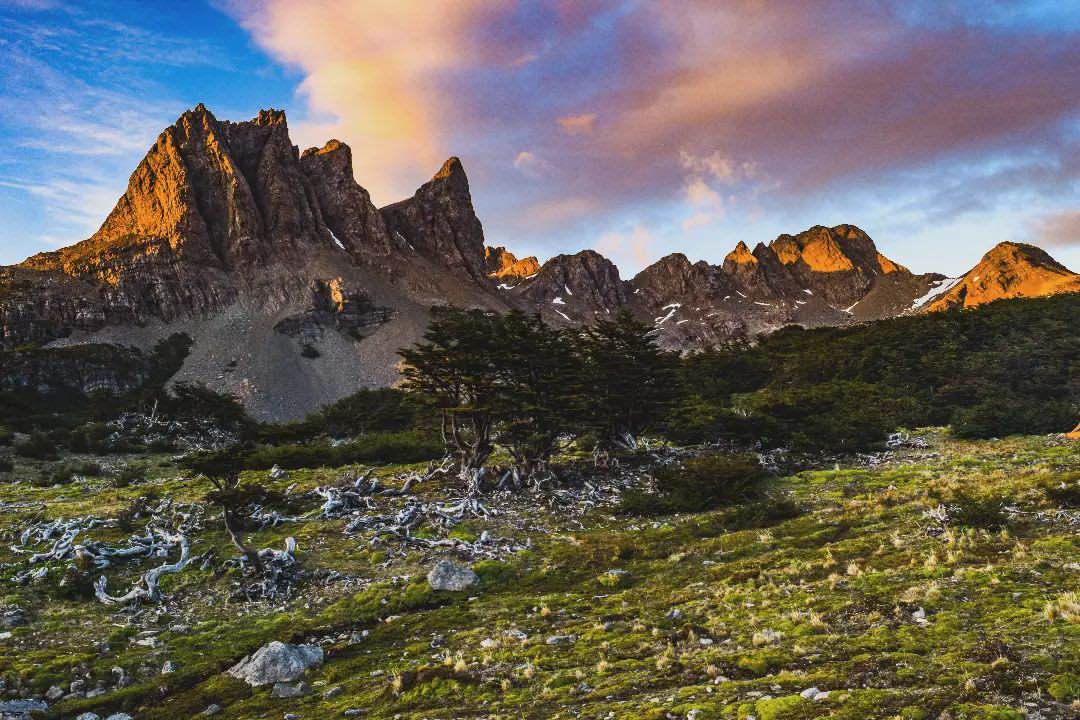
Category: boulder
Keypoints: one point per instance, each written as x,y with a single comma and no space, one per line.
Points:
452,576
290,690
277,662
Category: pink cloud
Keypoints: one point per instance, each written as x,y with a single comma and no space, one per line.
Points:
577,124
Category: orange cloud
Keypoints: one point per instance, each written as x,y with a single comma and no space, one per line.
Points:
577,124
372,72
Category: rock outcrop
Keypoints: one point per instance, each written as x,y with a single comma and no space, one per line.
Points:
501,264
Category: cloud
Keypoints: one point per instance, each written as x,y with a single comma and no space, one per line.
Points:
634,249
803,99
529,164
1059,230
577,124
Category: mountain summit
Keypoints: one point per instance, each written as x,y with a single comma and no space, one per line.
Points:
297,290
1009,270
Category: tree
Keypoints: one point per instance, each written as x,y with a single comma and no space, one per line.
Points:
540,394
222,469
630,380
456,370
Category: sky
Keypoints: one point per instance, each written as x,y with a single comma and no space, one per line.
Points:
636,128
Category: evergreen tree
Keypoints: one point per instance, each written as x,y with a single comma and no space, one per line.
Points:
457,371
630,382
540,394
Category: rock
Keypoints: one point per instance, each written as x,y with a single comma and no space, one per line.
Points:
452,576
212,709
333,692
77,686
22,708
88,716
276,473
168,668
291,716
12,617
561,639
119,716
290,690
277,662
54,693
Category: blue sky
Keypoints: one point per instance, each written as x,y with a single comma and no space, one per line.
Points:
636,128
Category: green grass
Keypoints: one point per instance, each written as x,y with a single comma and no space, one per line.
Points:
767,609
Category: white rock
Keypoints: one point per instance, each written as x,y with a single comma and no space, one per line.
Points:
452,576
277,662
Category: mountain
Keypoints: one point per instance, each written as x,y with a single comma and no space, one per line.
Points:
1009,270
296,289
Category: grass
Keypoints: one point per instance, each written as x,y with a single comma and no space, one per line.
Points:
862,594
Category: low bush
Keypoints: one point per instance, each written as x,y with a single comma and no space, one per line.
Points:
38,446
128,475
67,473
404,447
702,483
90,438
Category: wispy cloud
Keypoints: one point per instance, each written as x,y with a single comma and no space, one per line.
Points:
1059,230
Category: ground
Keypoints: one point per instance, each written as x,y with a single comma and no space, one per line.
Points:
886,606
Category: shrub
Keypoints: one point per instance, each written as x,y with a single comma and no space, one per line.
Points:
38,446
701,483
90,438
405,447
128,474
67,472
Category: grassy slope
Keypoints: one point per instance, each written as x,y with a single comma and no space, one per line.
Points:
823,600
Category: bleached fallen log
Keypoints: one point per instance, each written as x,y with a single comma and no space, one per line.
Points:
147,587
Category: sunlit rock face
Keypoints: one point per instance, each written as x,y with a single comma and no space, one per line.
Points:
1009,270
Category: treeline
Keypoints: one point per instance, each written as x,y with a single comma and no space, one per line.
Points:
1010,367
481,383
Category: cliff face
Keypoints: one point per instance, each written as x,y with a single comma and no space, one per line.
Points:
439,222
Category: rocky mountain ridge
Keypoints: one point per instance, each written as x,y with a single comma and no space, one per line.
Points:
297,290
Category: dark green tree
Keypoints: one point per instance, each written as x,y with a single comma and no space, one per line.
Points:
630,380
540,394
456,370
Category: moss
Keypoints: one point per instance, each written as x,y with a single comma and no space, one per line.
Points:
791,707
1064,688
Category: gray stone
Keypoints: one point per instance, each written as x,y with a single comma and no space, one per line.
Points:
333,692
88,716
452,576
168,668
119,716
17,708
290,690
212,709
54,693
277,662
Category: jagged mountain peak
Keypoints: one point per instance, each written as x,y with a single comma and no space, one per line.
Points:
741,255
